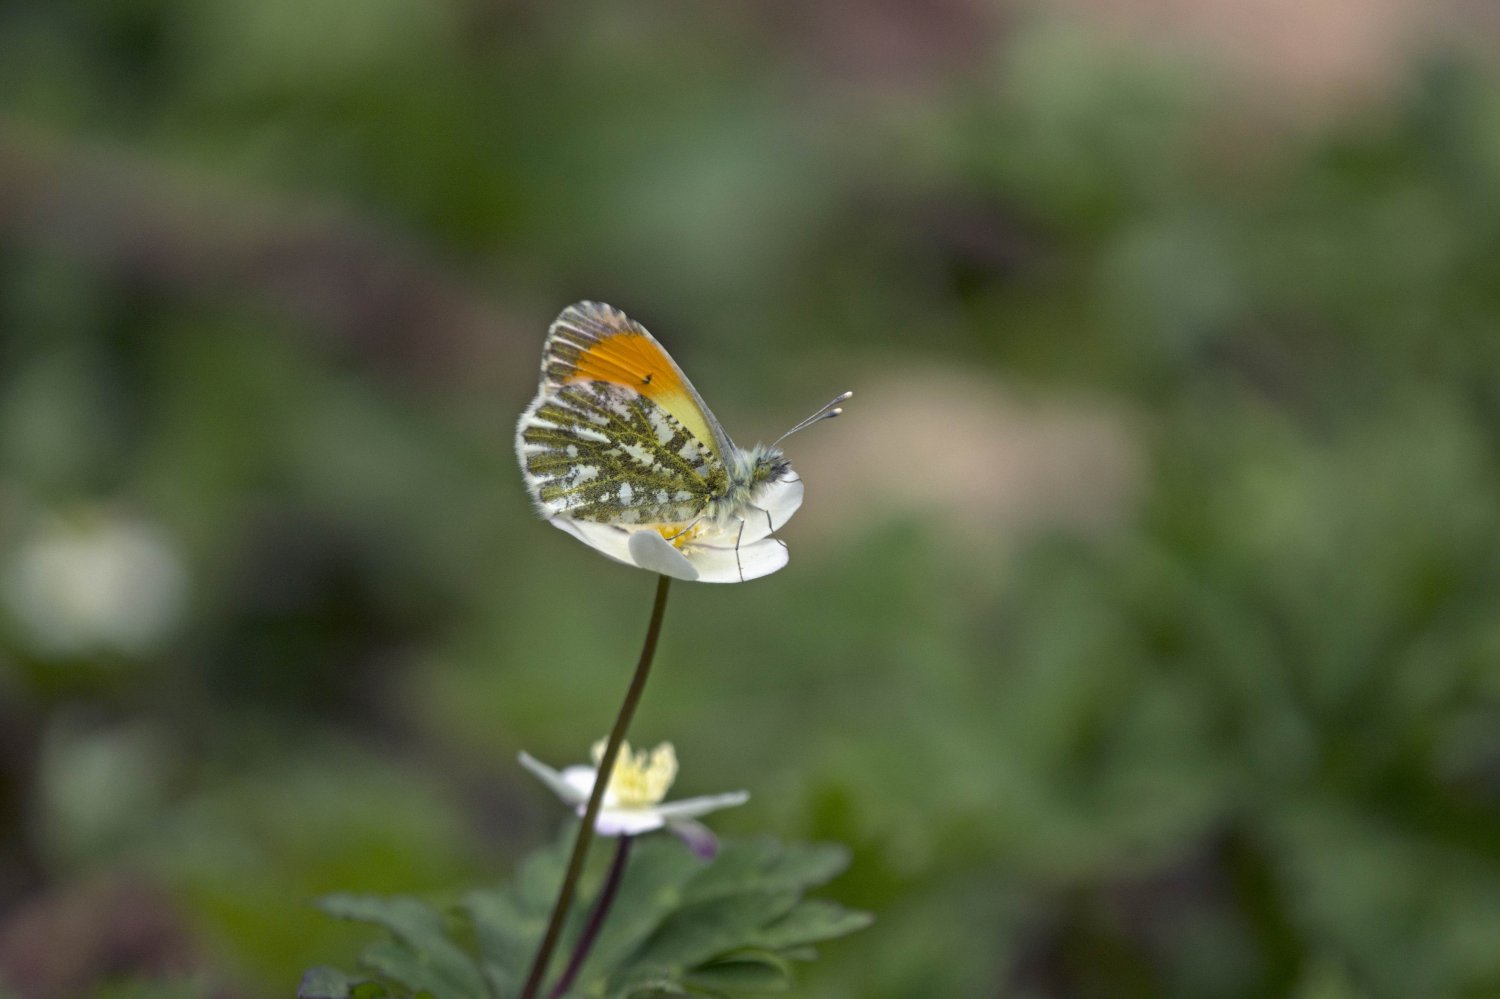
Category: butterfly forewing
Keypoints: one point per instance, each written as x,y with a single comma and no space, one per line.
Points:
590,341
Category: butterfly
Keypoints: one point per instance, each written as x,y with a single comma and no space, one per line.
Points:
620,450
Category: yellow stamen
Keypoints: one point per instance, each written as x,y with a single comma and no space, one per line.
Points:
640,779
679,536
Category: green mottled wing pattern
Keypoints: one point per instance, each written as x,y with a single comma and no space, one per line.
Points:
599,451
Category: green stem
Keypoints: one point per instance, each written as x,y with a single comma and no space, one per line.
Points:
596,919
596,797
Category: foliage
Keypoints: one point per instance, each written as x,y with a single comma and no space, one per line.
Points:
678,925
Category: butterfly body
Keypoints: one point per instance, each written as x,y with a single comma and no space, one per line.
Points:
617,441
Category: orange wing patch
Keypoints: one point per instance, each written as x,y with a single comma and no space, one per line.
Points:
591,341
638,362
632,360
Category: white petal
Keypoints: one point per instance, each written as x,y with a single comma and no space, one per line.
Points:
774,505
627,821
651,551
698,837
781,499
691,808
581,780
559,783
736,565
607,538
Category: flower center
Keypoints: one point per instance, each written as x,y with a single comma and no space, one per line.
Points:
680,536
640,779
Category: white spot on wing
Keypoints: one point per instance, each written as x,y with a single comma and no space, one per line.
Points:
665,431
641,454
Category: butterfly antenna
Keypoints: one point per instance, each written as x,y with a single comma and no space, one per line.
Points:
827,412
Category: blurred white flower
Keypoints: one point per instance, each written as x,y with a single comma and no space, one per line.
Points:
94,582
633,798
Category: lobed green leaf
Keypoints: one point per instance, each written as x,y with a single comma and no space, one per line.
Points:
680,926
701,932
812,921
422,956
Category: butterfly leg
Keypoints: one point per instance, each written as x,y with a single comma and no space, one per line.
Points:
737,564
686,529
770,524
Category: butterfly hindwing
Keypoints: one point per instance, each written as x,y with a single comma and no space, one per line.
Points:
598,450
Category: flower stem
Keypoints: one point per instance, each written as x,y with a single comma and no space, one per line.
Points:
596,796
596,918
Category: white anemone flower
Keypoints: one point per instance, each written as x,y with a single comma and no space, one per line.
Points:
705,551
94,581
633,798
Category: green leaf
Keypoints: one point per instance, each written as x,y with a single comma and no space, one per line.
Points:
541,873
748,969
503,982
679,926
765,864
750,976
722,925
644,982
701,932
424,958
812,921
738,867
402,964
506,934
651,890
807,865
509,921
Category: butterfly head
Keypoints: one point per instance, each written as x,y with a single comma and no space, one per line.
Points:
767,464
750,472
755,473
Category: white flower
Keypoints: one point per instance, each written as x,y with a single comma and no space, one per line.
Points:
705,551
95,581
633,798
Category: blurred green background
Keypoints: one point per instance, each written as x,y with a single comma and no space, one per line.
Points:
1141,630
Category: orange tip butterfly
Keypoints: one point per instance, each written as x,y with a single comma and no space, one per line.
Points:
619,450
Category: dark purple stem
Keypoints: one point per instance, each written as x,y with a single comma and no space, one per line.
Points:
596,919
